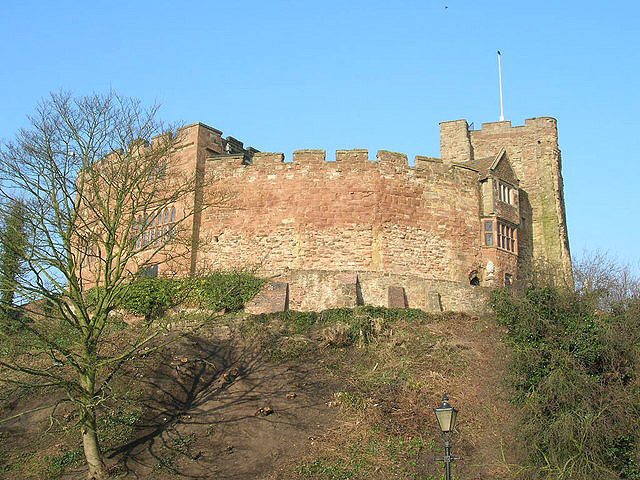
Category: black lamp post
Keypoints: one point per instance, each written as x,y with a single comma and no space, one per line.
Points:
446,416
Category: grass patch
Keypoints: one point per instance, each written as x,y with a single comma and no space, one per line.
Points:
329,469
117,427
379,355
174,449
289,348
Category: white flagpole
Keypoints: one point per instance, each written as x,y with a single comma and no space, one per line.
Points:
500,79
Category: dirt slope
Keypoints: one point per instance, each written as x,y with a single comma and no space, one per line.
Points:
358,408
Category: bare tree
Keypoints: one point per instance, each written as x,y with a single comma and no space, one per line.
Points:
602,275
101,203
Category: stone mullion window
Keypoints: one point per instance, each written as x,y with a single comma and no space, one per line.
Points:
496,233
506,193
138,230
172,222
488,233
154,229
507,237
158,172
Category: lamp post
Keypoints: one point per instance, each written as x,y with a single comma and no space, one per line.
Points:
446,416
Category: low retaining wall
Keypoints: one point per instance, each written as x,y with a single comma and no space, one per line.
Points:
316,290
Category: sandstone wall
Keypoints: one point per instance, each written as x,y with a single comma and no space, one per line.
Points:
316,290
533,152
351,215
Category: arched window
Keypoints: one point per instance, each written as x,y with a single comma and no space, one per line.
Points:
171,223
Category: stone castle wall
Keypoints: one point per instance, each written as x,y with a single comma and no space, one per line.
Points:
358,230
533,151
353,214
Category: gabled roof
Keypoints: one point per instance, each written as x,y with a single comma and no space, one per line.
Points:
481,165
489,165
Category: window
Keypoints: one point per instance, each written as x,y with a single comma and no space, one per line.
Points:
499,234
149,271
158,171
154,229
488,233
89,252
508,280
506,193
506,237
162,169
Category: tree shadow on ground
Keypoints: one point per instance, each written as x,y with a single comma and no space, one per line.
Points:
201,401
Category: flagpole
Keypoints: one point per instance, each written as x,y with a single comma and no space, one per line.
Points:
500,81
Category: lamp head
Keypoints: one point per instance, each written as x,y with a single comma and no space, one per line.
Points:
446,415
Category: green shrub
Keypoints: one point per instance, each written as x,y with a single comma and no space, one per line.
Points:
574,372
150,297
221,291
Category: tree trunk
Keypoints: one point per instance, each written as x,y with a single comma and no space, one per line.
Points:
92,451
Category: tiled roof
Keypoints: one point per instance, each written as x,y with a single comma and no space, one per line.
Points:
481,165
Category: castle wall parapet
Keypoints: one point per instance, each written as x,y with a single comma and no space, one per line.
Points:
394,160
343,158
311,156
352,156
266,158
353,214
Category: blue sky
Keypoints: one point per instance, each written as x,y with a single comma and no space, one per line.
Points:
283,75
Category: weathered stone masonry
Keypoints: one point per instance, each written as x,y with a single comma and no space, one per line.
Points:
359,230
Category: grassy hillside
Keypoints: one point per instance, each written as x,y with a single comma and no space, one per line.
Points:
341,394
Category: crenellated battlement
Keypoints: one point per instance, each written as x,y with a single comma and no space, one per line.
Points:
356,157
443,221
352,156
535,123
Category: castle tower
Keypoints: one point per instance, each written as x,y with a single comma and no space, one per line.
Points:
533,151
199,142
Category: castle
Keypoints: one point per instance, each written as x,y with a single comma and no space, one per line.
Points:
363,231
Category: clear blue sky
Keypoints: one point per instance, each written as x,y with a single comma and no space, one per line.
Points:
283,75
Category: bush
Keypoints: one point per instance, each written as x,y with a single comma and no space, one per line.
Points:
575,372
221,291
151,297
